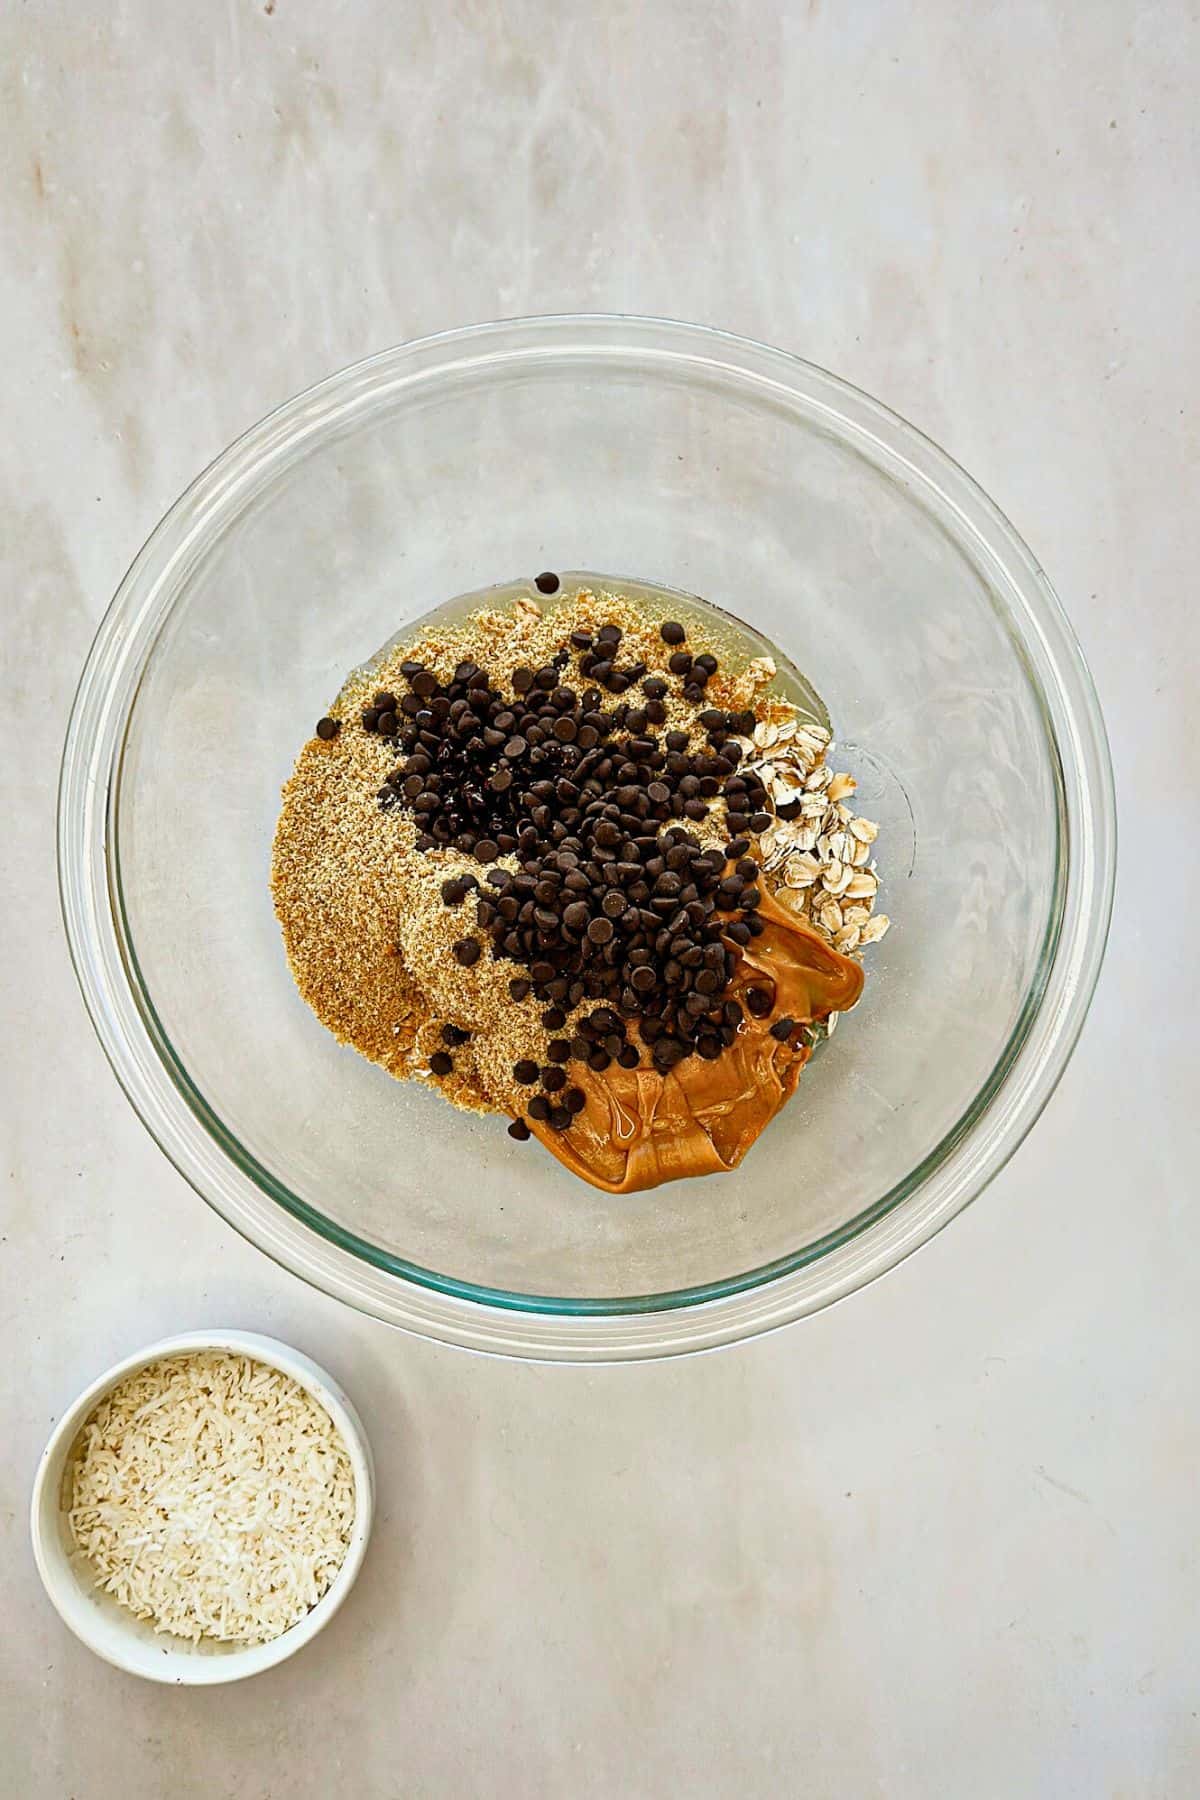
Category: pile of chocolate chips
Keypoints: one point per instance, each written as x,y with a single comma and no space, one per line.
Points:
614,898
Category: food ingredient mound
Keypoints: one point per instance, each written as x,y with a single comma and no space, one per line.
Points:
213,1496
510,819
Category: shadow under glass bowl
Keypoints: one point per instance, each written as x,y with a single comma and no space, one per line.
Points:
671,454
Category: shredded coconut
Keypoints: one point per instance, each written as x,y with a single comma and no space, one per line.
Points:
213,1496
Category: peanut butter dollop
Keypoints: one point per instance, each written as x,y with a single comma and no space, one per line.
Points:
640,1128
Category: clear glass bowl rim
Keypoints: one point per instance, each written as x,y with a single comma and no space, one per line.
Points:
531,1326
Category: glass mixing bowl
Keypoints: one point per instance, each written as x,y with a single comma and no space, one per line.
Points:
679,456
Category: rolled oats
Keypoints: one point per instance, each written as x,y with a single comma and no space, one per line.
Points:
818,857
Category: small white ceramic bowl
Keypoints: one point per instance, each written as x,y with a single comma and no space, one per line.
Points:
107,1627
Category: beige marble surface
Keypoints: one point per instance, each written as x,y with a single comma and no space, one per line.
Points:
940,1541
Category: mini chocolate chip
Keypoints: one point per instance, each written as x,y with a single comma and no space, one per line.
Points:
759,1002
387,724
520,1130
560,1118
327,729
454,1035
628,1057
599,1060
515,748
581,640
604,902
680,663
525,1071
574,1099
672,632
546,582
370,719
539,1107
440,1063
553,1078
707,662
760,821
783,1029
466,951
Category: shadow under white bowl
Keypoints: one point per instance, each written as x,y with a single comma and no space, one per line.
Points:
110,1629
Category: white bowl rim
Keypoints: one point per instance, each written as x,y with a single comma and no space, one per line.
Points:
526,1326
181,1664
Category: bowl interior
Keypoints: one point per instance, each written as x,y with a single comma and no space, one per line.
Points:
670,470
